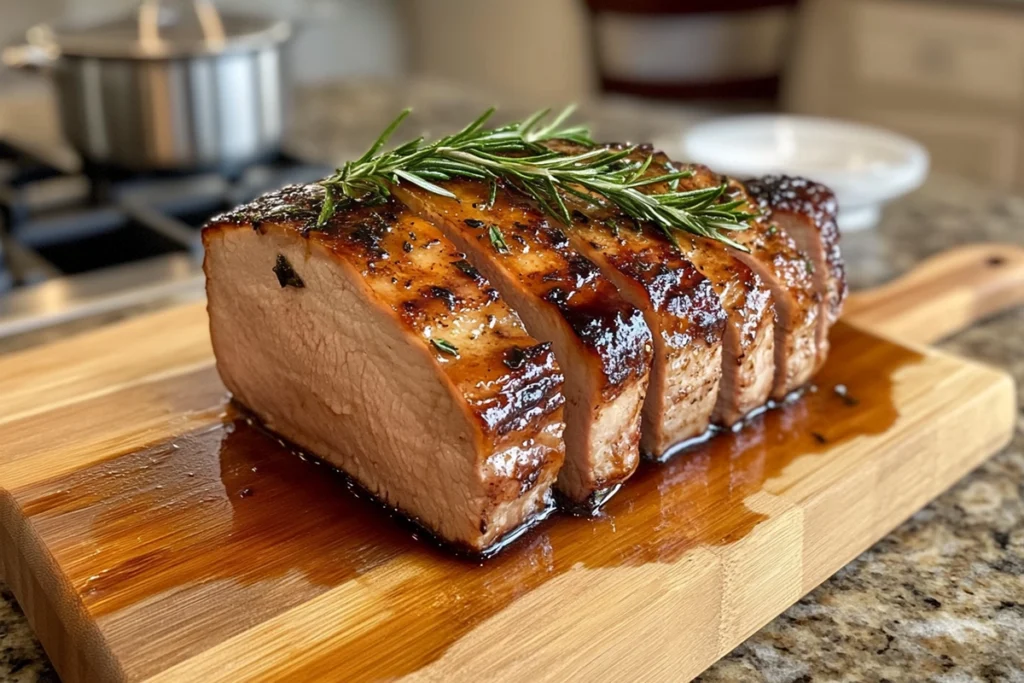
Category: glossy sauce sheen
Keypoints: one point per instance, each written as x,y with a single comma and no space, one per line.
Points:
672,285
602,343
507,378
555,274
698,281
802,196
775,252
234,528
681,308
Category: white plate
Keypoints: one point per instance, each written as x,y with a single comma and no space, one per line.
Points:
864,166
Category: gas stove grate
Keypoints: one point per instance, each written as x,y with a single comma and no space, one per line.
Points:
76,243
57,221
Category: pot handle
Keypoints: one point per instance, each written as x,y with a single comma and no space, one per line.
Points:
27,57
210,22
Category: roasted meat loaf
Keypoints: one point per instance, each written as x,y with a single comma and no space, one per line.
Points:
375,345
773,254
460,350
681,308
748,343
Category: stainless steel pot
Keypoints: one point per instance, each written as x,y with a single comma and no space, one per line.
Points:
173,87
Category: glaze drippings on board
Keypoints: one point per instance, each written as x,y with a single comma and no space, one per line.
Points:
234,528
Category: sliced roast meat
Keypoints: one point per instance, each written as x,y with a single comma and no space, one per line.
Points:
807,211
775,257
682,310
748,339
374,345
748,345
601,341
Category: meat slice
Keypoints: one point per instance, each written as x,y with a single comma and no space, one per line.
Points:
601,341
807,211
748,345
747,361
681,308
373,344
775,257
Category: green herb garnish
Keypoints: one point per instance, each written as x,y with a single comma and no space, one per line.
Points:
326,211
444,346
492,194
497,239
516,154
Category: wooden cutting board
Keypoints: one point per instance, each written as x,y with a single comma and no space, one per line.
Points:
149,535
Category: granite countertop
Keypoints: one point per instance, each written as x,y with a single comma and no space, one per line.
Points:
942,597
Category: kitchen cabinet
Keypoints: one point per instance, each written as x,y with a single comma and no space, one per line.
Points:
948,74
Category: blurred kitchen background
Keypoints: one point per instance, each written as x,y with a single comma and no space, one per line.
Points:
79,237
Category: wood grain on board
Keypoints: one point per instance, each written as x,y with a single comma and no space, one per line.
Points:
943,294
151,534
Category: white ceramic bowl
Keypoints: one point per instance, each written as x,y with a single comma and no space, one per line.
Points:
864,166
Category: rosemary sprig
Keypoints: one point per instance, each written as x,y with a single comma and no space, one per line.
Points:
444,346
497,239
516,154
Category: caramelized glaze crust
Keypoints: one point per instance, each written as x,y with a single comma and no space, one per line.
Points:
672,284
750,301
507,378
743,307
612,331
682,310
764,239
777,194
774,254
602,342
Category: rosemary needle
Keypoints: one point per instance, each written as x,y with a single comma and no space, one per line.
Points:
497,239
444,346
515,154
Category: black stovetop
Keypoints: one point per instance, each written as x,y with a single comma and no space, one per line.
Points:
58,221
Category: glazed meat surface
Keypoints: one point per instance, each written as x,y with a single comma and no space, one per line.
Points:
601,341
375,345
788,273
681,308
807,211
463,356
747,336
748,347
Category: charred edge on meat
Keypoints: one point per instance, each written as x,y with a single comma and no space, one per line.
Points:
467,268
298,203
619,332
591,507
525,394
444,295
530,390
803,196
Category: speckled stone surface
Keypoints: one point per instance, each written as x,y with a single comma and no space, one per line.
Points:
942,597
939,599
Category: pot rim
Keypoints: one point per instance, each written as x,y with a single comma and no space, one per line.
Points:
46,38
